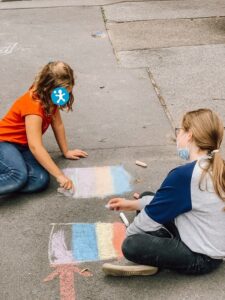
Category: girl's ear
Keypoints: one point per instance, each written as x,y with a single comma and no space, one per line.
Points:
189,135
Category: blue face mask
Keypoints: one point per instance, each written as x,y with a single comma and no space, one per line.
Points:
183,153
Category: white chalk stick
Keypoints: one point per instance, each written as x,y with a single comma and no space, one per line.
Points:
124,219
141,164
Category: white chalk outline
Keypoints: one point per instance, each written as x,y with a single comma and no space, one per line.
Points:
49,243
7,49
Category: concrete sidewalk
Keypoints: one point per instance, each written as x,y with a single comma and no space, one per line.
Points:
156,60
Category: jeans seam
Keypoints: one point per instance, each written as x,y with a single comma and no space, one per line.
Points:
1,162
9,170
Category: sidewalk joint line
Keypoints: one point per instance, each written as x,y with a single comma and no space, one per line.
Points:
108,33
154,49
169,47
164,19
123,147
161,99
61,6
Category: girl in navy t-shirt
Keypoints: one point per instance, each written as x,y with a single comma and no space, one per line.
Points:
181,226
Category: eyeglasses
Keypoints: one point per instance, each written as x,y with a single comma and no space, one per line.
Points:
177,130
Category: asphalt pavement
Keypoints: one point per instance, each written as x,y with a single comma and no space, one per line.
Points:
139,66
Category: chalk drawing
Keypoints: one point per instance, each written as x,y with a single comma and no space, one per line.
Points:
8,49
74,243
99,181
85,242
66,279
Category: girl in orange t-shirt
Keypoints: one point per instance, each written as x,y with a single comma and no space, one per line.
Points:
25,164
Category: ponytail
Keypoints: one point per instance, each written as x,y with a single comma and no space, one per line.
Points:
218,174
207,132
216,169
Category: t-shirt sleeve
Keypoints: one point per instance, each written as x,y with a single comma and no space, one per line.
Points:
173,197
30,107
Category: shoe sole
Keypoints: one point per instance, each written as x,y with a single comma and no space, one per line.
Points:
113,271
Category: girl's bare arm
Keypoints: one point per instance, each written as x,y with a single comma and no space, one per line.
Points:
59,132
33,125
60,135
124,204
34,136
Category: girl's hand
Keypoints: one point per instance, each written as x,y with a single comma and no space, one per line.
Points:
123,204
75,154
65,182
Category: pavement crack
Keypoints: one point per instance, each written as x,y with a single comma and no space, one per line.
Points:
103,14
122,147
161,99
108,33
169,47
57,6
162,19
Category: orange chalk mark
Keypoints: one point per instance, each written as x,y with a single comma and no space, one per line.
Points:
66,277
119,233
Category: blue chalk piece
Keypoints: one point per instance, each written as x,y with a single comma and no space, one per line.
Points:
84,242
121,180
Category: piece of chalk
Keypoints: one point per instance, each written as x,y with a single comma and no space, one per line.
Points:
136,195
141,164
124,219
138,180
107,206
65,192
84,270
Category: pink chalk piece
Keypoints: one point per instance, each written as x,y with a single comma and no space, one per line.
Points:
136,195
65,272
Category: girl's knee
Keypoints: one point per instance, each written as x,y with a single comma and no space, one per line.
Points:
13,181
38,183
20,178
129,247
43,179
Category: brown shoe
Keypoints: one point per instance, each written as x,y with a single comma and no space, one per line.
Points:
127,268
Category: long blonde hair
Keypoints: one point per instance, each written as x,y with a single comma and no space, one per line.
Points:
207,132
52,75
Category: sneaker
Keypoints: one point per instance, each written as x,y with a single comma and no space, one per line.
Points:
126,268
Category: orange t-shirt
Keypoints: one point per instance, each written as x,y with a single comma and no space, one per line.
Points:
12,126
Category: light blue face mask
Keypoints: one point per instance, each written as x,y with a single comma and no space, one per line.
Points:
183,153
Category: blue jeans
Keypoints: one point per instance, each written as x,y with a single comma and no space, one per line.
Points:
20,171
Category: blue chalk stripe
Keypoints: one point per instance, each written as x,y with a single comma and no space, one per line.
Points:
121,180
84,242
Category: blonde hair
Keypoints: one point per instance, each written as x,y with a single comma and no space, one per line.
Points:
207,132
52,75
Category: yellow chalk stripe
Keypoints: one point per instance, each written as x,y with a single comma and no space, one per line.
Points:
104,182
104,234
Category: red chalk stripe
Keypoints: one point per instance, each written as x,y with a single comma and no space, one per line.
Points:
119,233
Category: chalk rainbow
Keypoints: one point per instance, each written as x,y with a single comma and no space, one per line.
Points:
88,242
99,181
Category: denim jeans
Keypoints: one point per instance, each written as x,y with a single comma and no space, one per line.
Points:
20,171
164,249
